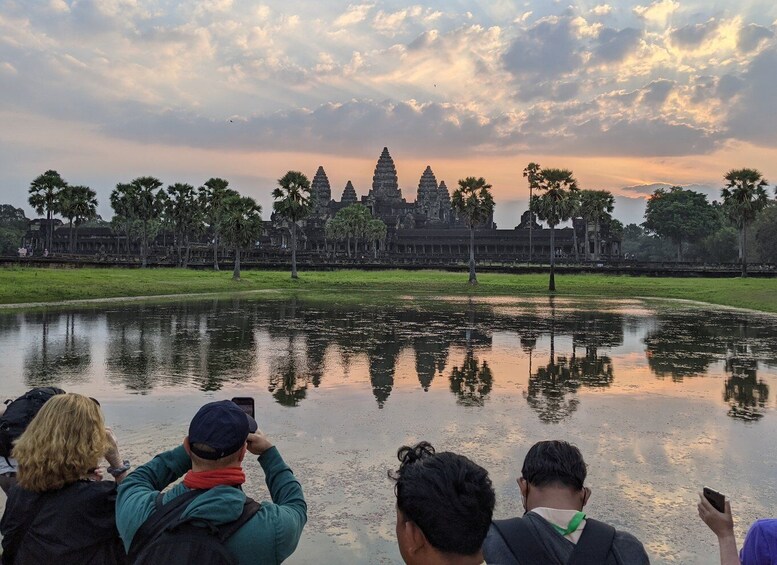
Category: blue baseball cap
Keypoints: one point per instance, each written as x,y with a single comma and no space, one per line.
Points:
221,426
760,547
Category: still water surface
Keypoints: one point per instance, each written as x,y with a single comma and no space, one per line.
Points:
662,398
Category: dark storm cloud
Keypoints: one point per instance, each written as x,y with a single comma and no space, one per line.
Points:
751,35
615,45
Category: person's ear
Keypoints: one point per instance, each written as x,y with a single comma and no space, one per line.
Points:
186,446
523,485
586,495
416,538
243,451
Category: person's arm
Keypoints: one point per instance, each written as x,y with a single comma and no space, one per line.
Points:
286,494
113,457
722,525
138,491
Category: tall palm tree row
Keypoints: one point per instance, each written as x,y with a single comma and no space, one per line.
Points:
473,202
556,203
292,202
78,204
186,217
743,197
212,196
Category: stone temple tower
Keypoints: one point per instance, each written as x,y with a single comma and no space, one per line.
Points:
428,200
320,192
385,185
349,195
445,202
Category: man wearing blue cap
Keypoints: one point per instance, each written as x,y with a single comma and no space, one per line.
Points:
210,496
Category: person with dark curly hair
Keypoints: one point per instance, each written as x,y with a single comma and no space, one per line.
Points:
444,507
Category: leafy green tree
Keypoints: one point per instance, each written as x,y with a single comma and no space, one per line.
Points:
292,202
355,219
124,216
596,207
44,191
186,217
556,204
680,215
473,202
78,204
241,226
211,196
765,230
336,230
743,197
376,232
13,224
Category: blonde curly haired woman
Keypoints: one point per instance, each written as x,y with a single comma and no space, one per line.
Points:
61,511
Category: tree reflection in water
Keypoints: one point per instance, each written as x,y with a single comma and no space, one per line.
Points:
58,360
287,384
745,393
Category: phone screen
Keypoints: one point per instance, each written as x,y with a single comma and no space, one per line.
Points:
246,404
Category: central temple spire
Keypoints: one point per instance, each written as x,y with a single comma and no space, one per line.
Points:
384,182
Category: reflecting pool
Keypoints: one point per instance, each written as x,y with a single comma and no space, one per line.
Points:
661,397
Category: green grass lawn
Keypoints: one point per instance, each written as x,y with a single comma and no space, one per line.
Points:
28,285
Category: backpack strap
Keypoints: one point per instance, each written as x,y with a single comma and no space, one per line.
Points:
594,545
250,508
162,516
520,540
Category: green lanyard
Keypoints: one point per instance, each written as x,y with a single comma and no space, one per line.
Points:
573,524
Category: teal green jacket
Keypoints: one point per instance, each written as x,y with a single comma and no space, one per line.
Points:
269,537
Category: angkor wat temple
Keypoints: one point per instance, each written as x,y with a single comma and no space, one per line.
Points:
430,228
426,230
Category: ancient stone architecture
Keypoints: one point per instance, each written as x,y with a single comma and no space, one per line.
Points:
425,230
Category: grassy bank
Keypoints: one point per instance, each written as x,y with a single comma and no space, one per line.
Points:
29,285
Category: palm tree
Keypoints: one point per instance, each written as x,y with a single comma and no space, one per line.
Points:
241,226
212,195
743,197
81,205
186,216
530,173
122,202
595,208
148,205
292,202
555,205
44,191
473,201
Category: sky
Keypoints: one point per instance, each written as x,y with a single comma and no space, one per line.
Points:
629,95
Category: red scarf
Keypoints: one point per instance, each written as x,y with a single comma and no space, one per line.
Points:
229,476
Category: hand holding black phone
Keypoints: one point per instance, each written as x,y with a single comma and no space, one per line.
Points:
717,500
246,404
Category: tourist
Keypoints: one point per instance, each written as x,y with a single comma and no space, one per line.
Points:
61,511
444,507
15,416
210,460
760,547
554,528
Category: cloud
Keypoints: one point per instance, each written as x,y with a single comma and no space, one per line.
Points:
658,12
752,117
656,93
693,35
353,15
751,36
615,45
601,10
546,50
649,189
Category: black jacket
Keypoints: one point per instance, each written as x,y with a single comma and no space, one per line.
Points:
75,524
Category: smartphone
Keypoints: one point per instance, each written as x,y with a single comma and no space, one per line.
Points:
717,500
246,404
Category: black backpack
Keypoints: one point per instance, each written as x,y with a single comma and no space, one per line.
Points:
167,538
20,413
